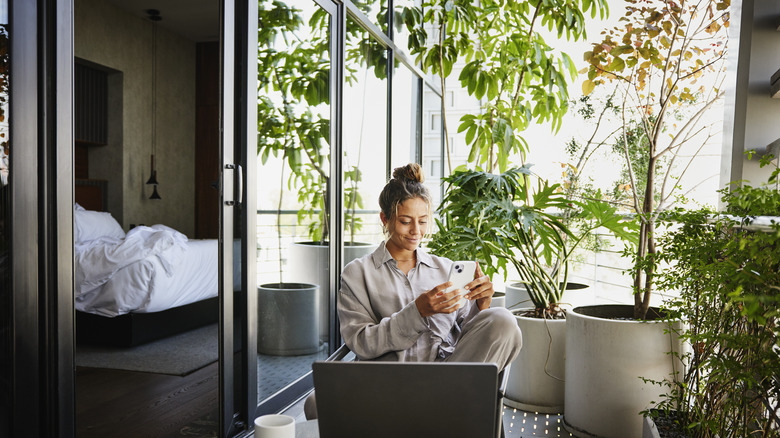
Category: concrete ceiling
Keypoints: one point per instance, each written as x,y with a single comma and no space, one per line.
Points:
197,20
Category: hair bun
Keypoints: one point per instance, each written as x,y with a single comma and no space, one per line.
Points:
411,172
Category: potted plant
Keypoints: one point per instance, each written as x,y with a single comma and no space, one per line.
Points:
287,313
655,59
519,79
513,220
293,89
725,273
294,126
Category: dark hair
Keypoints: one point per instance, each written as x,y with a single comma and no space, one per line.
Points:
406,183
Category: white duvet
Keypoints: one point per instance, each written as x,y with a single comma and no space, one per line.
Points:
151,269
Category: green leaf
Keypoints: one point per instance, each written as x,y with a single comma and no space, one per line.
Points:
617,65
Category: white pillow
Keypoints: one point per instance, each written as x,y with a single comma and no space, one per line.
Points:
89,225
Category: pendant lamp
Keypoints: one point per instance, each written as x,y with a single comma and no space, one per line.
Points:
154,16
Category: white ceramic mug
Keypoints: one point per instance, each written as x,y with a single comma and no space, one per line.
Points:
275,426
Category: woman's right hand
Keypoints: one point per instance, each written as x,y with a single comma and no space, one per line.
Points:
437,301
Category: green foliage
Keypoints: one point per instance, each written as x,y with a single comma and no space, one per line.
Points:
293,97
756,201
293,81
508,64
515,218
728,280
655,58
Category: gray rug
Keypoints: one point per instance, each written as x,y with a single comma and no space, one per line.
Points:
177,355
187,352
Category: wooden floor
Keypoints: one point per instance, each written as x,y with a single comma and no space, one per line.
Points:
119,404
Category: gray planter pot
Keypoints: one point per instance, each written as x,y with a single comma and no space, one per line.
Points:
606,362
288,319
309,263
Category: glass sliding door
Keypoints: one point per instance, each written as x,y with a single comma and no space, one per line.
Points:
406,116
36,258
365,138
6,312
295,131
433,153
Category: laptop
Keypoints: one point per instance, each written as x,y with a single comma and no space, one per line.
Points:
406,399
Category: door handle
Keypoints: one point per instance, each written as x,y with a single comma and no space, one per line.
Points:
237,201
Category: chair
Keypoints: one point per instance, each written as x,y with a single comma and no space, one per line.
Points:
344,354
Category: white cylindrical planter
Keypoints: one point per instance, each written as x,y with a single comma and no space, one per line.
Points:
499,299
288,319
309,263
517,297
606,359
535,381
575,295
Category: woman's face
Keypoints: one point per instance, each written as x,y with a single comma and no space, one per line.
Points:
409,225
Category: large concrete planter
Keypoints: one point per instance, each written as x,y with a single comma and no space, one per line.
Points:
535,381
606,362
288,319
309,263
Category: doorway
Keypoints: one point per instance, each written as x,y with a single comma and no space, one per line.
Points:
148,79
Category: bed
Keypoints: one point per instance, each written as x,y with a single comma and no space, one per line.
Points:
146,284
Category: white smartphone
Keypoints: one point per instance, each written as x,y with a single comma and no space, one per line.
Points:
461,274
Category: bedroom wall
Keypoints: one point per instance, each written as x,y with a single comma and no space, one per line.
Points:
113,38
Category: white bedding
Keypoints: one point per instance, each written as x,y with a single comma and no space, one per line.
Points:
151,269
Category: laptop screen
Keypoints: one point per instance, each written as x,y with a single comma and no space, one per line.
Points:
406,399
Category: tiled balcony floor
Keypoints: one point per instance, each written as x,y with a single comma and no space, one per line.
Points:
522,424
517,423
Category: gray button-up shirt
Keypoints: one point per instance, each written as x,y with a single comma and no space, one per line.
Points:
379,318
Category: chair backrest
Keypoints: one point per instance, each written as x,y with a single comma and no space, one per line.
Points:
403,399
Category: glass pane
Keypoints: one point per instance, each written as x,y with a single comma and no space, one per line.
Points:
375,10
6,337
405,116
432,159
400,33
293,182
365,140
174,288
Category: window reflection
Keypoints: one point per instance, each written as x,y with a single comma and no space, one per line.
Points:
294,168
405,116
365,137
375,10
294,153
404,13
433,160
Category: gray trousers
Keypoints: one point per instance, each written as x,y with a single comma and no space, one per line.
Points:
490,337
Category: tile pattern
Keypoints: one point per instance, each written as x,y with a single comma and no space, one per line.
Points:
522,424
276,372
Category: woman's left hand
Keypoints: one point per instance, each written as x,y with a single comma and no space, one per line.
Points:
481,289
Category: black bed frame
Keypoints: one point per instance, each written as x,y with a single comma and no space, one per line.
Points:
133,329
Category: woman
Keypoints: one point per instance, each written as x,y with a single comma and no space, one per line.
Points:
392,303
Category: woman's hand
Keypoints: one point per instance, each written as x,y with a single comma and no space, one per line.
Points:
437,301
481,289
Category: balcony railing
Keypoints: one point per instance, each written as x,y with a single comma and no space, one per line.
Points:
274,242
